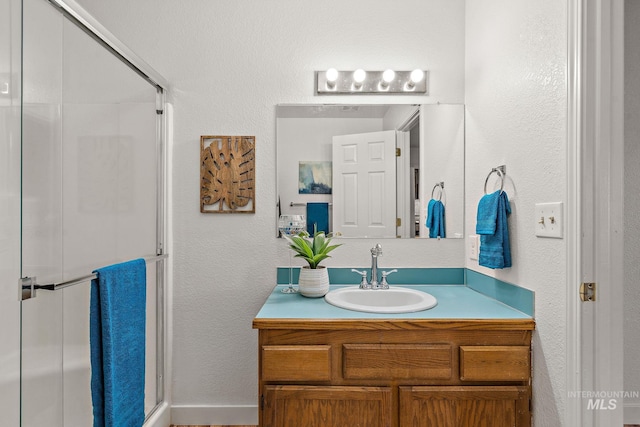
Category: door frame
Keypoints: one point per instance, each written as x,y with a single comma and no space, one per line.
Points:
595,187
404,192
403,185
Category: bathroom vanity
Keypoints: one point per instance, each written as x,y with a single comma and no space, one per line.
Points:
465,362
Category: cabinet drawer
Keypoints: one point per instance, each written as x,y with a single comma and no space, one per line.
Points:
396,361
495,363
296,362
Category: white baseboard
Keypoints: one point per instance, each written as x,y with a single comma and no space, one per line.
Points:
161,418
208,415
632,413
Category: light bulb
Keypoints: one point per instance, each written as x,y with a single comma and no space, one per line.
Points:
417,76
388,76
359,75
332,74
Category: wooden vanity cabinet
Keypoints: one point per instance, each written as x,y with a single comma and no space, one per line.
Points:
394,373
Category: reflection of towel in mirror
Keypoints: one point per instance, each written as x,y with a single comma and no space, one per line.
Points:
435,219
318,216
492,226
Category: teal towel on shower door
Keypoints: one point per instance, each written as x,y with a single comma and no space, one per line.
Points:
117,342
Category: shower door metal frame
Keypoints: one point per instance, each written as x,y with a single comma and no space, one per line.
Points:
76,14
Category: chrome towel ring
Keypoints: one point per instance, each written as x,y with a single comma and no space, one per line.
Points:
438,184
501,171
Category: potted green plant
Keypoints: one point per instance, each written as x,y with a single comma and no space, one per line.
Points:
314,278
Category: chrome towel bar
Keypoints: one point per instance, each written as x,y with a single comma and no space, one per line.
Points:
302,204
438,184
29,285
501,171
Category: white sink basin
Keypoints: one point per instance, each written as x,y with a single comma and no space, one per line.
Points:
392,300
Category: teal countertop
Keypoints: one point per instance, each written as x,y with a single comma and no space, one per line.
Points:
454,302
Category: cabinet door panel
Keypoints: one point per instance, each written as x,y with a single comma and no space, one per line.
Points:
308,406
464,406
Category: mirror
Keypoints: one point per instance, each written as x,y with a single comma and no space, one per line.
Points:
337,164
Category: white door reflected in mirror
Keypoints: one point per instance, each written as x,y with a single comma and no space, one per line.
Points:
364,179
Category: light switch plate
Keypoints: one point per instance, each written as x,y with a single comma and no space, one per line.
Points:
549,220
474,246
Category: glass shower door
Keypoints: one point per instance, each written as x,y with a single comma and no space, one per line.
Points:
90,198
41,323
9,211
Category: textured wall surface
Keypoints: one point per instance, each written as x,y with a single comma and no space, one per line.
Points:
631,208
515,93
229,64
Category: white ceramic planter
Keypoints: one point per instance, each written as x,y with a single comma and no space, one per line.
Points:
313,282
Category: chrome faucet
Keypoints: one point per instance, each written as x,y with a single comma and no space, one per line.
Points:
375,253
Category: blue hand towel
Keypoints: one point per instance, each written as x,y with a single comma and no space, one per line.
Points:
495,250
439,219
430,219
435,219
486,220
117,342
318,214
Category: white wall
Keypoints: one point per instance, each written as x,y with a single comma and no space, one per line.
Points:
631,209
516,59
229,64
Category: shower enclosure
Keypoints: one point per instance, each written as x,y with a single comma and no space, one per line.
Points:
81,187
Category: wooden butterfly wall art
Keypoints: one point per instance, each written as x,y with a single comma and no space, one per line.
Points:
227,174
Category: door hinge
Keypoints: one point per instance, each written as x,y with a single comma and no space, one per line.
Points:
398,222
588,292
398,152
262,402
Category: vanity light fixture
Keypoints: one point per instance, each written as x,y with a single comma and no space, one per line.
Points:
336,82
